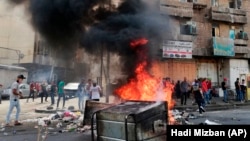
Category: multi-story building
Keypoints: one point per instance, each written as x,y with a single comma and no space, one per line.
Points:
210,39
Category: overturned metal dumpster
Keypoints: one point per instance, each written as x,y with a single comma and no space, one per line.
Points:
131,121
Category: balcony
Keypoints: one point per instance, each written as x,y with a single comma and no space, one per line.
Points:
240,49
240,42
229,15
177,8
199,4
181,37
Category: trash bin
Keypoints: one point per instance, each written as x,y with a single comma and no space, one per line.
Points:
133,121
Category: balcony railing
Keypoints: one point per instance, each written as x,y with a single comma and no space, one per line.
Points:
177,8
181,37
240,42
199,4
229,15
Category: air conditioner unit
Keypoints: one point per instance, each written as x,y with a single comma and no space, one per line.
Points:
192,29
188,29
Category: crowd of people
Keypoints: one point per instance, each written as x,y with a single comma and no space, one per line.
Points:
201,91
89,90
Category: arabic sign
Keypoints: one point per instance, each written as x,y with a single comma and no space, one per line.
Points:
177,49
223,46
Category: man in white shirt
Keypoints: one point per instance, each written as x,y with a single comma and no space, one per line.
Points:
15,94
95,92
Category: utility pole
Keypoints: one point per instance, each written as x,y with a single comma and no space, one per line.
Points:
108,67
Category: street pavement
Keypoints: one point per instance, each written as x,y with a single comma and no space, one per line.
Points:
33,110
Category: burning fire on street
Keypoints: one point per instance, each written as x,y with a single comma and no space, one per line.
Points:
145,86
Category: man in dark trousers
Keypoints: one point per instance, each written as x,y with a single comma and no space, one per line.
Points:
198,95
238,90
53,90
32,91
184,91
243,90
224,87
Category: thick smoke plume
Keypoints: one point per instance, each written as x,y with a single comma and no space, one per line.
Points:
97,24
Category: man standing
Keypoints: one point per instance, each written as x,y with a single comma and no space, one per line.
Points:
32,92
81,93
224,88
44,92
243,90
95,92
15,94
88,86
184,91
61,93
238,90
53,92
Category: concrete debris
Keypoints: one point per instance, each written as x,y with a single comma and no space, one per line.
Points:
71,108
182,118
50,108
59,124
208,122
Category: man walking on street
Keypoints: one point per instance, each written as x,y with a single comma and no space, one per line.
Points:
61,93
15,94
224,88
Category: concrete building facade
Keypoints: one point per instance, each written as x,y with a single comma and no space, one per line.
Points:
209,39
218,33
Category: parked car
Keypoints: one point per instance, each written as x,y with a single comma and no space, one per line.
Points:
70,89
23,88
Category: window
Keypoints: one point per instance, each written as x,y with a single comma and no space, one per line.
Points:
215,30
188,28
42,48
235,4
214,3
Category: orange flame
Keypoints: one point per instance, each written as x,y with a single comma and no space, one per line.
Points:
147,87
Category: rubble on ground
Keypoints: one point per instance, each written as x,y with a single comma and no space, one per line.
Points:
59,122
182,118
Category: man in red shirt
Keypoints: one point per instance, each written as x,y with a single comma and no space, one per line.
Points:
32,92
209,87
205,90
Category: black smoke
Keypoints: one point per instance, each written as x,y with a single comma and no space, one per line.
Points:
96,24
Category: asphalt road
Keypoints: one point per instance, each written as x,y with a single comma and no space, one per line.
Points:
53,136
237,116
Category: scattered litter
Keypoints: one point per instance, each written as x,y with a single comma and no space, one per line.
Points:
208,122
